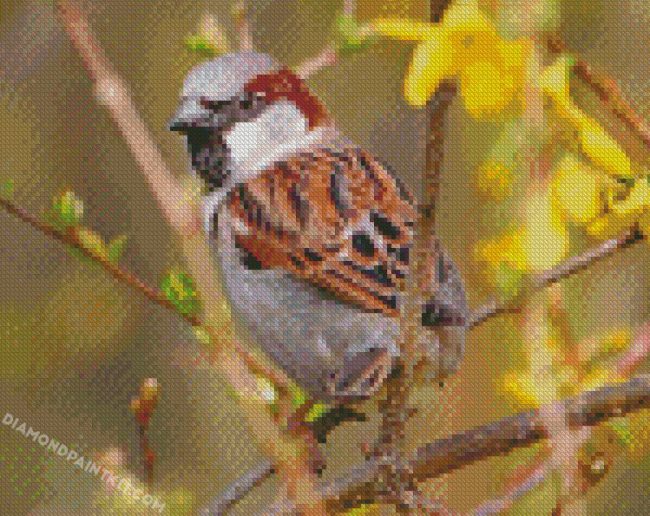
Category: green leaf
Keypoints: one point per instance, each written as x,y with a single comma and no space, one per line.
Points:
67,210
325,418
316,412
116,248
179,289
93,242
349,36
298,396
7,189
201,44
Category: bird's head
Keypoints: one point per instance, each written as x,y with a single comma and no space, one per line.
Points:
234,105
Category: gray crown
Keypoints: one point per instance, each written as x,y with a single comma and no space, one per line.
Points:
219,79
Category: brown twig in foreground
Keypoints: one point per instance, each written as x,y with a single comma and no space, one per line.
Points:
242,486
451,453
626,365
242,23
532,480
143,407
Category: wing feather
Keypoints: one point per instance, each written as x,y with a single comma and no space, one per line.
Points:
335,218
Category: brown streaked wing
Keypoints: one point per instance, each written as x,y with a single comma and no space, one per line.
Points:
335,218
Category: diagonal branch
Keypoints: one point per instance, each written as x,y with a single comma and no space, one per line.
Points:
243,26
288,451
154,295
562,271
459,450
112,94
242,486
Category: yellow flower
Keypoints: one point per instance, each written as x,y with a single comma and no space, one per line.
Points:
552,372
599,377
555,83
594,348
507,248
595,142
577,189
465,45
494,180
601,148
522,387
624,213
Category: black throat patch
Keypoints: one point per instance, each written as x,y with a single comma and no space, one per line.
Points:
210,156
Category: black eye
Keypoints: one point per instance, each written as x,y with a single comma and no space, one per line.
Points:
246,103
216,105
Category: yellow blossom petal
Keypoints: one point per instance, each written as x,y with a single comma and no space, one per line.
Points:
610,225
507,248
555,82
616,340
624,213
636,202
640,429
522,387
485,89
602,149
577,189
471,34
494,180
547,238
466,16
431,64
599,377
514,55
404,29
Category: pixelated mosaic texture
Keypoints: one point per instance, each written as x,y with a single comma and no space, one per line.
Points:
76,345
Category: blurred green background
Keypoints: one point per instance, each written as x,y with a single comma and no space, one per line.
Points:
75,346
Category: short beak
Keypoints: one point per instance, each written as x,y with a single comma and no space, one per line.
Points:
190,114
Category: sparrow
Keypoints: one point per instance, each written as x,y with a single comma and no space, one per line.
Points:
311,233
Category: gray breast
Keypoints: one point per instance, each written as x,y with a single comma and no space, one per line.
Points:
303,328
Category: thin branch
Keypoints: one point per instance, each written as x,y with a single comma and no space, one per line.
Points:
608,92
327,57
397,483
239,488
289,452
242,24
562,271
497,438
451,453
330,54
637,354
168,198
154,295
